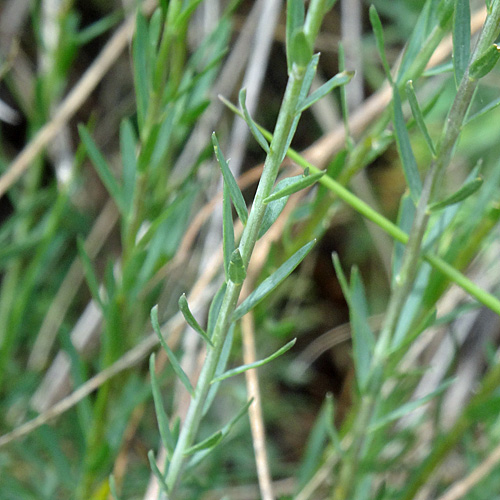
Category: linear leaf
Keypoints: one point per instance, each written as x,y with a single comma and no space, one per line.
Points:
481,66
173,360
379,38
418,115
159,476
89,273
207,444
102,167
141,67
234,190
274,208
295,15
270,283
468,189
309,77
461,38
227,229
161,416
409,407
338,80
129,160
408,161
299,183
191,320
492,105
256,364
251,124
301,49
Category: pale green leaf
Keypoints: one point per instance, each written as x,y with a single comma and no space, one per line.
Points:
251,124
461,38
191,320
300,182
468,189
157,473
379,38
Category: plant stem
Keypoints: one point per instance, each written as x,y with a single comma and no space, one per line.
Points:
278,147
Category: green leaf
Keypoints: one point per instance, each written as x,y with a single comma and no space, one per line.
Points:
309,75
251,124
301,50
159,476
461,38
234,190
256,364
300,182
379,38
112,487
191,320
408,161
171,356
213,311
295,16
418,115
128,151
274,208
489,107
468,189
407,408
485,63
338,80
270,283
102,168
362,338
207,444
141,67
227,228
89,274
163,423
237,272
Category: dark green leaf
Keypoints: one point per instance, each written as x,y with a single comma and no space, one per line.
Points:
408,161
485,63
234,190
418,115
141,67
237,272
461,38
102,168
338,80
300,182
251,124
379,38
191,320
270,283
161,416
256,364
171,356
468,189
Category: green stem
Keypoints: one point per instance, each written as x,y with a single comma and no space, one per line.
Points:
279,143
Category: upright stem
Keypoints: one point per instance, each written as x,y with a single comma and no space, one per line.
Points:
404,281
278,146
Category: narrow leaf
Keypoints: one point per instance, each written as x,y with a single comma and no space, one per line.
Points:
461,38
128,152
234,190
251,124
379,38
408,407
227,228
213,311
255,364
299,183
408,161
485,63
295,15
161,416
489,107
171,356
308,77
301,50
237,272
89,273
141,67
270,283
338,80
159,476
468,189
274,208
418,115
207,444
102,168
191,320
